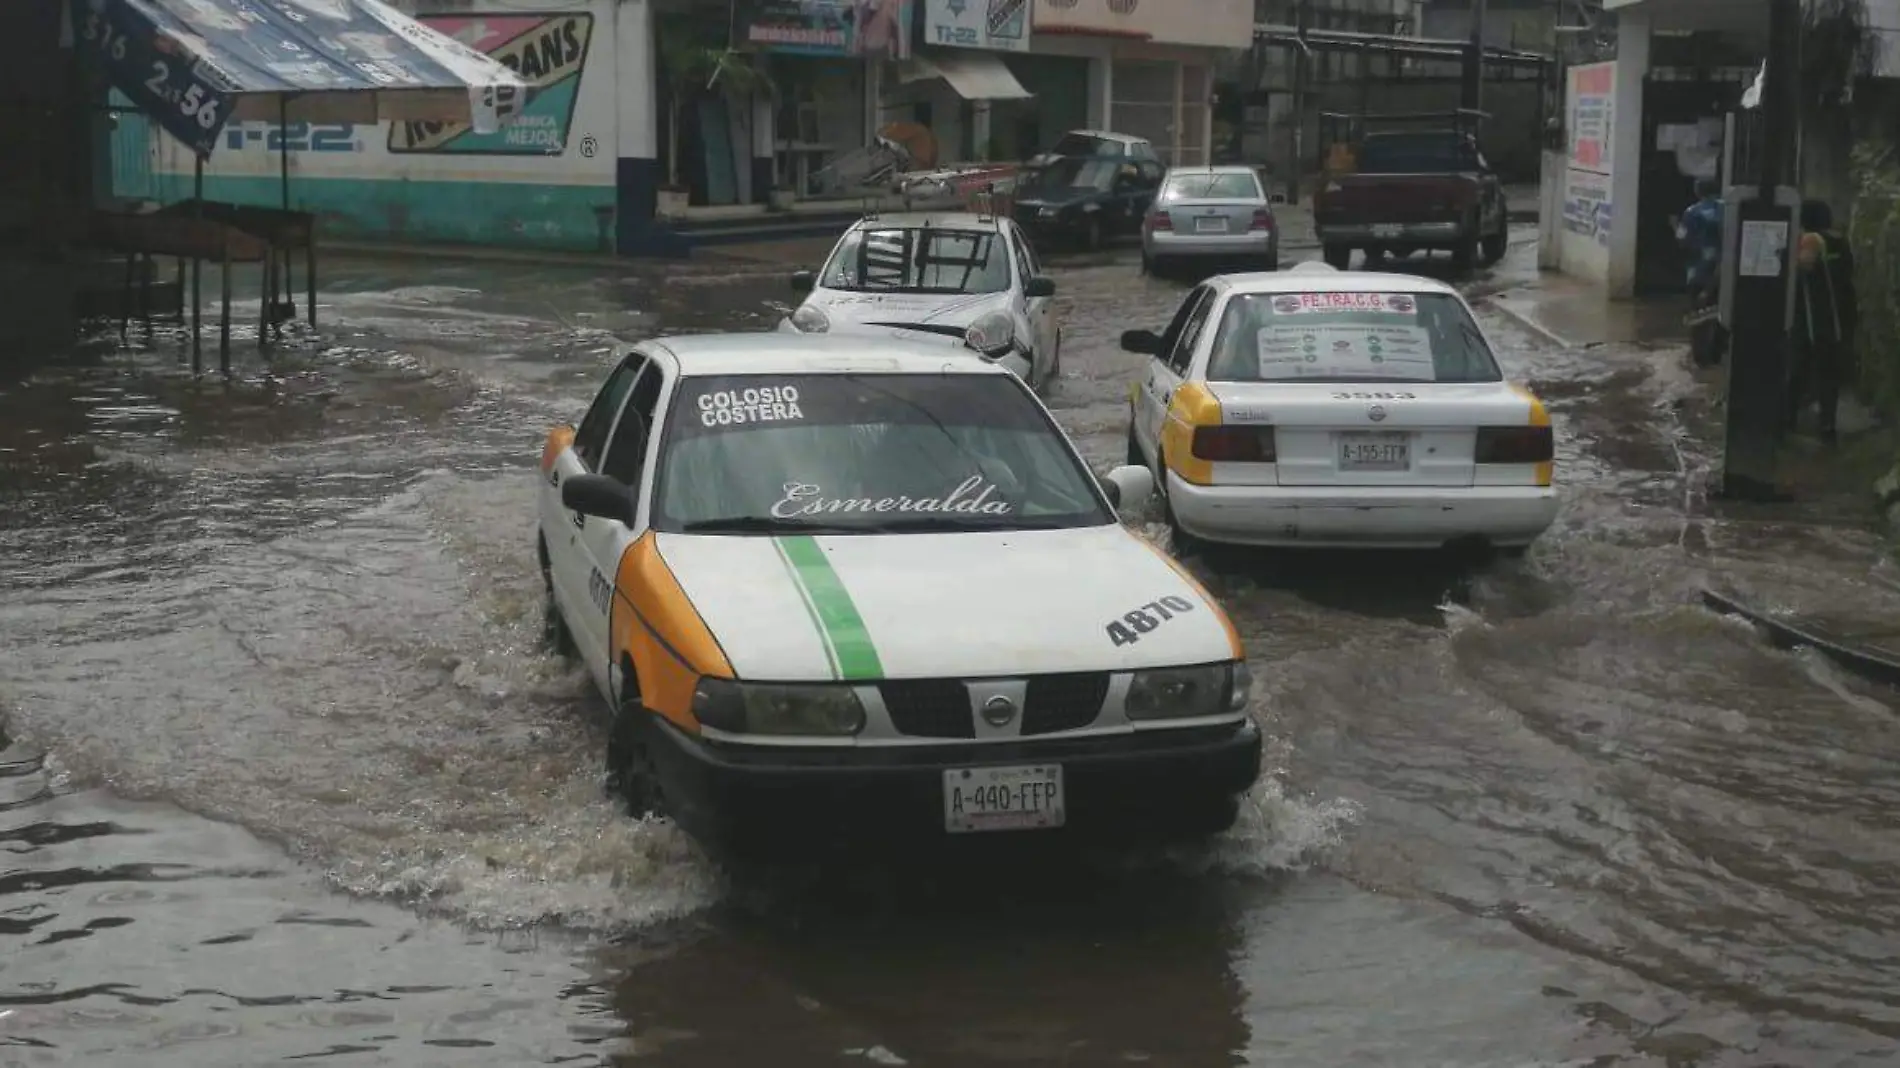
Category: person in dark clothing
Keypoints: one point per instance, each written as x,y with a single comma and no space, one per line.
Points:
1699,231
1826,314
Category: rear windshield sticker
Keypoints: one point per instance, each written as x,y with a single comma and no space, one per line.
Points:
1378,303
1329,350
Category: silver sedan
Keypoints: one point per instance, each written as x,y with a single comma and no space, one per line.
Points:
1210,215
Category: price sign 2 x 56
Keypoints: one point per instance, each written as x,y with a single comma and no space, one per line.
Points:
156,73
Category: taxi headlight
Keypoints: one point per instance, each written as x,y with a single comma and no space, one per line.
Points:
1188,692
811,319
787,709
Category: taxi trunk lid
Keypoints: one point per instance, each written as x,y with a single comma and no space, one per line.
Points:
1351,434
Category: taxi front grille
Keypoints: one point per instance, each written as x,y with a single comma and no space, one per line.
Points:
1063,702
940,708
929,708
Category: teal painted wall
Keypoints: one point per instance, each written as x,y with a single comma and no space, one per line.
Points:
511,214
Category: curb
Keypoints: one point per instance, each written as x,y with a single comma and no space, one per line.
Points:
604,261
1529,324
1785,635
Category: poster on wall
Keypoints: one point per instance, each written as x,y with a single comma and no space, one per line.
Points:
997,25
873,29
1592,116
548,51
1587,208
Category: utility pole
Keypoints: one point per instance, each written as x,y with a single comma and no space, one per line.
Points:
1301,18
1474,60
1758,269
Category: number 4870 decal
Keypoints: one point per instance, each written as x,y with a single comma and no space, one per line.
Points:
1132,625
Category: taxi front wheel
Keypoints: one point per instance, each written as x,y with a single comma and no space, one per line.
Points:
553,628
630,774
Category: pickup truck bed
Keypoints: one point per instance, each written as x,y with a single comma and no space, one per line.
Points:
1412,191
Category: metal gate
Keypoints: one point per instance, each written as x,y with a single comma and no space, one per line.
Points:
132,149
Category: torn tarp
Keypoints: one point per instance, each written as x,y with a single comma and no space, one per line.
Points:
194,65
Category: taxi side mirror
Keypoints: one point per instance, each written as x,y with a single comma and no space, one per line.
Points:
1145,342
1040,286
804,281
600,496
1128,486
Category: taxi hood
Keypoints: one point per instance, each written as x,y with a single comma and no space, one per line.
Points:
822,607
945,309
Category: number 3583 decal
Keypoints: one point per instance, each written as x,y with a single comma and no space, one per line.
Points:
1132,625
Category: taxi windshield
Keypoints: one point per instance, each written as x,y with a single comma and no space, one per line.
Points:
919,260
866,454
1350,337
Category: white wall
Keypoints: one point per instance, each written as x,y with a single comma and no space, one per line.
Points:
1632,67
1222,24
1588,182
502,188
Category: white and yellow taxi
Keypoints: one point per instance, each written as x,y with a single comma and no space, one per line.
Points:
842,584
1317,407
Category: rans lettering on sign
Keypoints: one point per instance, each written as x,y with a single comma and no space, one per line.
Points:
548,52
970,497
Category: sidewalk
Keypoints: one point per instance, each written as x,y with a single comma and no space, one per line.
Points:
1571,313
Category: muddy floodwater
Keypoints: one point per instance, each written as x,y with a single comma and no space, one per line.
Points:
286,774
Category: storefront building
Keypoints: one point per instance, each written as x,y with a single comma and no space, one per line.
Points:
574,171
966,83
1139,67
825,60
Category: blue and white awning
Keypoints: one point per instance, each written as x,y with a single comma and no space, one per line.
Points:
195,65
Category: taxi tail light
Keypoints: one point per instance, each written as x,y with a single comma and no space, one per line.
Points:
1234,444
1262,220
1514,445
1160,220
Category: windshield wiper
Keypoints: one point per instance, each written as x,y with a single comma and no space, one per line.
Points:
756,524
947,525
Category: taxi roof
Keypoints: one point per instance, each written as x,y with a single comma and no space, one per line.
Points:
769,353
936,220
1326,280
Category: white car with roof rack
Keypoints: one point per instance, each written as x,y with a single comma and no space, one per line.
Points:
842,586
970,277
1316,407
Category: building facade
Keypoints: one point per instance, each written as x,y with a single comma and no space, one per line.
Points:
617,142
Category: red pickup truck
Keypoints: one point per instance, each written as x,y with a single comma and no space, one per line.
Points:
1394,192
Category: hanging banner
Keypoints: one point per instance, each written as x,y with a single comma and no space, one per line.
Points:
148,62
548,51
873,29
190,63
996,25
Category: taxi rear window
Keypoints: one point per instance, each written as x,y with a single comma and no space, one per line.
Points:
1350,337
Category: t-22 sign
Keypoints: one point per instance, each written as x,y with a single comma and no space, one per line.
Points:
295,137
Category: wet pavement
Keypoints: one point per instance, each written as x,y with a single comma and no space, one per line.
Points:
313,790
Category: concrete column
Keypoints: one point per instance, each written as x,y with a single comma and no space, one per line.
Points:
980,129
764,136
636,127
1101,92
1626,147
873,97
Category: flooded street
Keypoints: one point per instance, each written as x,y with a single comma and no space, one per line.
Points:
312,788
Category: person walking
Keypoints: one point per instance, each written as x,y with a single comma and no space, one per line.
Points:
1699,231
1826,317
